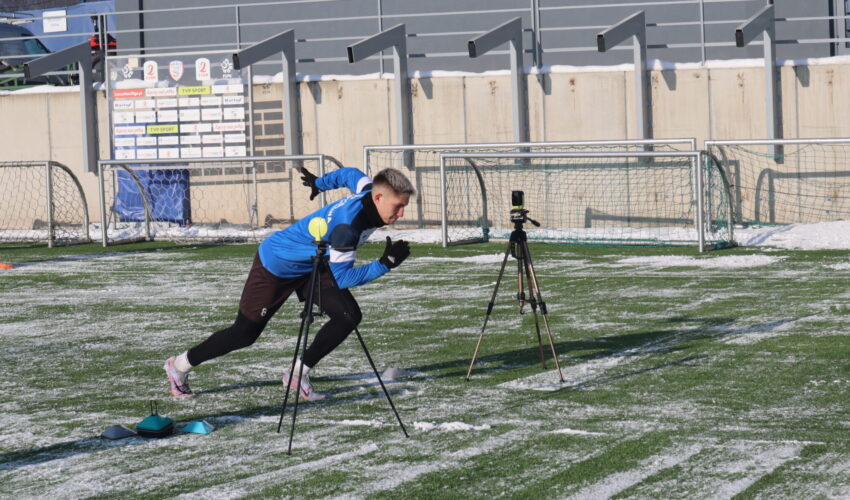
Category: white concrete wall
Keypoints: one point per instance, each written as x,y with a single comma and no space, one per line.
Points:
340,117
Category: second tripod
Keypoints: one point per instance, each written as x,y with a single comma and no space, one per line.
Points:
526,276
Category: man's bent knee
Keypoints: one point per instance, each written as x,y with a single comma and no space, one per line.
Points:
245,332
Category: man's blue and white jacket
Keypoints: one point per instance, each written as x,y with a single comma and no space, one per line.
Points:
288,253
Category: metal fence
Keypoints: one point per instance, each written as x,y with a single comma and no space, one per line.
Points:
42,201
234,199
555,31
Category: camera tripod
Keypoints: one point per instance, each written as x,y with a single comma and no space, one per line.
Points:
318,228
518,248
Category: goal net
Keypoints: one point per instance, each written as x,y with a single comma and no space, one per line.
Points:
41,202
611,198
422,164
786,181
208,199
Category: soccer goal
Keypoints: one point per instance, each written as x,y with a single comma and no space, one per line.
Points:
786,181
232,199
422,161
42,202
593,197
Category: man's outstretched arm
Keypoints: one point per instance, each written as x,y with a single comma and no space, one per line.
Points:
348,177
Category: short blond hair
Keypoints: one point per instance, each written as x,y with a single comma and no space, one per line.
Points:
395,180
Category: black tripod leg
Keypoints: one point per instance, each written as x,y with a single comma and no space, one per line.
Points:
306,320
533,301
386,393
543,312
372,364
489,310
291,370
520,287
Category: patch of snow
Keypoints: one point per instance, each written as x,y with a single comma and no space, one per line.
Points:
449,426
720,262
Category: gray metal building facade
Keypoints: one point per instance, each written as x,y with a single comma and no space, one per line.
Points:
557,32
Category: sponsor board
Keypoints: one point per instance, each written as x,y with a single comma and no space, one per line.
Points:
151,71
125,154
167,116
161,92
146,154
194,128
202,69
128,93
235,151
192,152
166,153
175,70
229,127
194,90
161,129
145,104
145,116
214,152
228,89
129,130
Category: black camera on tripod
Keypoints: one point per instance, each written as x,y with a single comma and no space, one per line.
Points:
518,211
519,215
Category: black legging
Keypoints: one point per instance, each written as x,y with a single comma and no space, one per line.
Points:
339,304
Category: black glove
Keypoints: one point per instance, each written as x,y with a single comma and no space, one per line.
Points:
395,253
309,180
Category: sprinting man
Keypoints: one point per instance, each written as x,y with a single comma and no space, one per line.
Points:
283,265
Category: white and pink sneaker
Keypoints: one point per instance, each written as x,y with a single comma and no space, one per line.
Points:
178,380
306,389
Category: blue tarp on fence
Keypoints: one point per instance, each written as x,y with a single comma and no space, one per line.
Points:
167,192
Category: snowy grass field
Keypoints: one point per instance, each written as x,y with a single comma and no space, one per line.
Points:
687,376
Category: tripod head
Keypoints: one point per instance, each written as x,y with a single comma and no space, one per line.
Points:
519,215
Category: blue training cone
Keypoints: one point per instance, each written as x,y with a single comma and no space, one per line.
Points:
198,427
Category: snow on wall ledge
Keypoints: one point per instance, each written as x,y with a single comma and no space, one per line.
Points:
652,64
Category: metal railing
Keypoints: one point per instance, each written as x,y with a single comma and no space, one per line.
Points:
677,30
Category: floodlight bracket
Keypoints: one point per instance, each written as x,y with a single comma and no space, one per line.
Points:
634,27
283,43
81,55
764,21
511,33
394,38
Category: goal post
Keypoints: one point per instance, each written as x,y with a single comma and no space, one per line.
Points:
219,199
786,181
42,201
597,197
